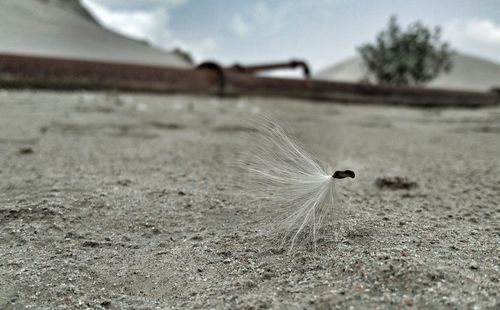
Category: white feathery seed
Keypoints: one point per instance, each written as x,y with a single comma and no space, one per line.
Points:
300,185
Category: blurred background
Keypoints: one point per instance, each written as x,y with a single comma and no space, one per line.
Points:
325,33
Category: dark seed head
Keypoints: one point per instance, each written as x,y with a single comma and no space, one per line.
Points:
343,174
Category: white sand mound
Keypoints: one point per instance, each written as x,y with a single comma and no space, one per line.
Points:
469,73
60,28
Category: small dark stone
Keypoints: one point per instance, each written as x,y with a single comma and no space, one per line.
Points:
277,251
106,304
267,275
124,182
90,244
395,183
25,150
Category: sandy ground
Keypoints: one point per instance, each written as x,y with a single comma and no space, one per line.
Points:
120,201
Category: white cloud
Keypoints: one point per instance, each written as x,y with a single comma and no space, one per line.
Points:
137,24
480,37
482,31
239,26
265,17
260,18
261,12
147,20
135,4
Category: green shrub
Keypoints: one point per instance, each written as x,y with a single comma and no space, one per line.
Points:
406,57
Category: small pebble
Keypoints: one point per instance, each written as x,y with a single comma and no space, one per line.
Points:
25,150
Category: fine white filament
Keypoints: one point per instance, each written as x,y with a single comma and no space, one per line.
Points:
300,185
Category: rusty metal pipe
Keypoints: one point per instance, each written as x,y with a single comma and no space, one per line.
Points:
37,72
253,69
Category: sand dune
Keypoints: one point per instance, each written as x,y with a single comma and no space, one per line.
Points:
469,72
65,29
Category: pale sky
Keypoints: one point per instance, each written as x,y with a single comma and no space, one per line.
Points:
322,32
